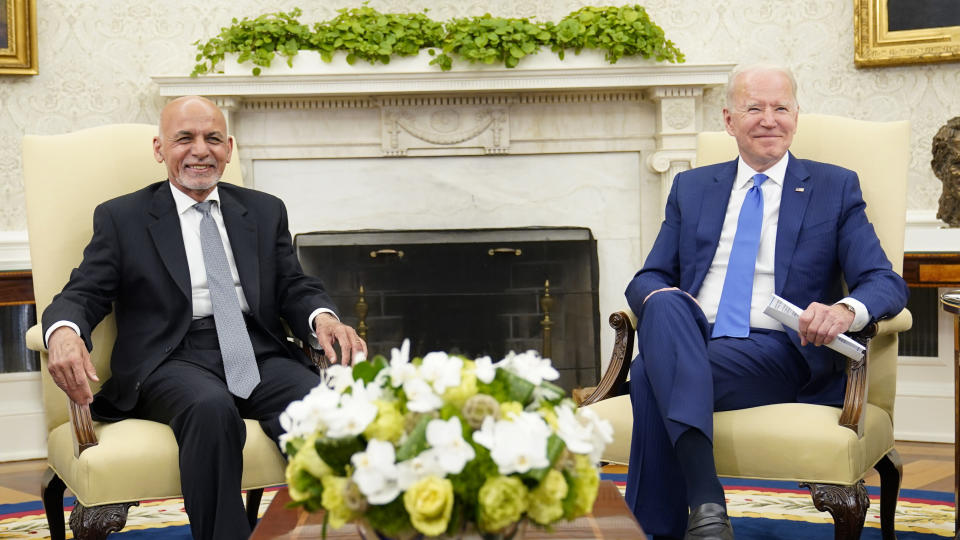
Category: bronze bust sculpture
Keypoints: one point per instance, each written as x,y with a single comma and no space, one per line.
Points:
946,165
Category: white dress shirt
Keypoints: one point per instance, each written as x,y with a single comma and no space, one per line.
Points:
763,278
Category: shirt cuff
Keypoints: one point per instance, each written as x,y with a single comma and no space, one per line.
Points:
860,314
313,329
58,324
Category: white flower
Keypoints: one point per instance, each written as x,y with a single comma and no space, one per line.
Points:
354,415
485,369
441,371
530,366
446,437
422,465
376,472
583,432
420,396
338,377
401,370
309,415
516,445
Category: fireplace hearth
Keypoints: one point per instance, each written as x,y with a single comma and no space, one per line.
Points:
472,292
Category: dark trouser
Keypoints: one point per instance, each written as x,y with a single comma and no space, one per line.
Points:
188,392
678,379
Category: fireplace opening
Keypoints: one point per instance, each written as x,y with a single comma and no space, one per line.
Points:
472,292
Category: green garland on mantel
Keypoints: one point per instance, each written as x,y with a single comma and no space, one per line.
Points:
364,33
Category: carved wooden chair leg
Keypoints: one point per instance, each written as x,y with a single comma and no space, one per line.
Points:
51,491
253,505
891,472
847,504
96,522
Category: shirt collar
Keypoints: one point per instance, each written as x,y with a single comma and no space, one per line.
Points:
184,202
775,174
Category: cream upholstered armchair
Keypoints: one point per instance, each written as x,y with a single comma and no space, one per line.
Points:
826,449
108,466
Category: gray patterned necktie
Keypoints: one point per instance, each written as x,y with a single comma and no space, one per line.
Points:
239,362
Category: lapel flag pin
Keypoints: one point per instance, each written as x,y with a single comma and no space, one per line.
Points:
798,190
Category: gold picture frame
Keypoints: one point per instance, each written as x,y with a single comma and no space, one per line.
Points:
876,45
18,37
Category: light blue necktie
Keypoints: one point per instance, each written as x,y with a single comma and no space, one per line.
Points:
733,313
239,362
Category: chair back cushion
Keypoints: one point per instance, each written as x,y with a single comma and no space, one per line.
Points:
65,178
879,152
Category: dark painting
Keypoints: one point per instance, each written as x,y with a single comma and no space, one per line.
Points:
920,14
4,35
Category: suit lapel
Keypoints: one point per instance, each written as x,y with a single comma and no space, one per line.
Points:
793,205
242,231
713,209
168,239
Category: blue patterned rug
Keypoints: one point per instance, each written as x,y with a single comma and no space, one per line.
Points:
760,510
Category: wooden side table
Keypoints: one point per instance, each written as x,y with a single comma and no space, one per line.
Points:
951,304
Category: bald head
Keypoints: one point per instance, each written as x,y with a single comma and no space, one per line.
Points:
192,142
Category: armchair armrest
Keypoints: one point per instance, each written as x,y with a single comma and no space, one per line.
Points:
34,339
80,420
902,322
612,382
855,397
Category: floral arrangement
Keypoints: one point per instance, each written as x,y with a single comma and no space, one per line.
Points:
440,445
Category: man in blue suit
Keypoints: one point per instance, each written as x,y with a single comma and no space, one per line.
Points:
734,234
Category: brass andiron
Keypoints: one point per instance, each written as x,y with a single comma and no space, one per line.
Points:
361,308
546,304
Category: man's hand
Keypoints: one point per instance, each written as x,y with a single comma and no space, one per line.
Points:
329,329
821,324
69,365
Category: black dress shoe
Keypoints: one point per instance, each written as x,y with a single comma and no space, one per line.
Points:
709,521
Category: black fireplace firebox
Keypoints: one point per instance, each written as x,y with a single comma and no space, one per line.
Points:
473,292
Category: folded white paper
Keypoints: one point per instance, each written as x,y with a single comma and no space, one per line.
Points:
789,315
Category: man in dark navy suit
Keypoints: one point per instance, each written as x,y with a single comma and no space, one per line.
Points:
148,261
734,234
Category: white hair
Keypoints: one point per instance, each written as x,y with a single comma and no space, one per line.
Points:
743,69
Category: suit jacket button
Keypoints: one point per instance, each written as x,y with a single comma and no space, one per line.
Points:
137,386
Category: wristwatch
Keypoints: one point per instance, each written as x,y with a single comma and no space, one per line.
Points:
848,306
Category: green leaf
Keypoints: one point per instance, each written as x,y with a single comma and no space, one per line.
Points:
415,442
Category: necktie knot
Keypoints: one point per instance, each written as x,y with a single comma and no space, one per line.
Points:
204,207
759,178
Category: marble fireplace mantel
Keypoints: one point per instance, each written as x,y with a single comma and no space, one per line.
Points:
584,145
676,91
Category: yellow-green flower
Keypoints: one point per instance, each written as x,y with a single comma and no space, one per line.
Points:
388,425
585,480
509,408
305,470
546,501
549,415
430,502
335,503
458,395
502,501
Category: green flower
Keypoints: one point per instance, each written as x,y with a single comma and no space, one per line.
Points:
388,425
334,501
458,395
502,501
304,472
430,503
584,480
546,501
509,408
